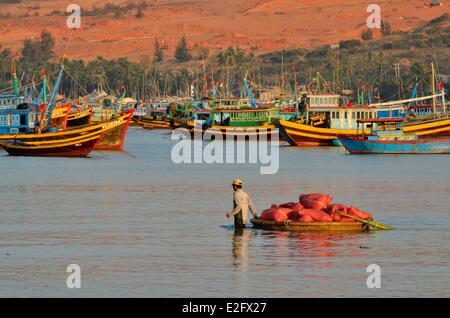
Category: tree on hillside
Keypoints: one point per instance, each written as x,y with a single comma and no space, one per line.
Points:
385,28
47,44
139,13
39,50
158,53
5,66
182,52
367,34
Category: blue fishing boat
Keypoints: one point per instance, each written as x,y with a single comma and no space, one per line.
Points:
22,119
18,113
387,137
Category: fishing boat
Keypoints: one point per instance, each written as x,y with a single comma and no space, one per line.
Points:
79,118
60,117
113,134
242,122
11,101
323,121
342,121
387,136
156,124
157,119
295,226
233,118
15,121
79,147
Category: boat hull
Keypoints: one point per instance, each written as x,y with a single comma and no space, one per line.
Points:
157,125
304,135
420,146
80,148
294,226
153,123
79,118
429,128
114,138
113,132
265,132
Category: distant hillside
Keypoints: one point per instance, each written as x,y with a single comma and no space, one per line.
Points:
114,29
355,63
389,65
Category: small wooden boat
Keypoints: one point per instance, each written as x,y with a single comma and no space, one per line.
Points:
156,119
387,136
294,226
80,147
157,124
79,118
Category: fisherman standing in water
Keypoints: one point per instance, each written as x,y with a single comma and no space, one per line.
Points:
241,204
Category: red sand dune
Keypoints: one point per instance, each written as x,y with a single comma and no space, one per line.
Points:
265,24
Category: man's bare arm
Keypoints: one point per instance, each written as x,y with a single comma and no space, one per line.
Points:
252,207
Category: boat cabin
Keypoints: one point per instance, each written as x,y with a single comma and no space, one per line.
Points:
231,103
244,117
385,129
424,111
323,101
11,101
14,121
338,113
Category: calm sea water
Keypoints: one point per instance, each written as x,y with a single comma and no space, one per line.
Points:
139,225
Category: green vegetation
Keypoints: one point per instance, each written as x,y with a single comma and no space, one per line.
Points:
158,54
119,10
182,52
139,13
352,64
367,34
38,50
10,1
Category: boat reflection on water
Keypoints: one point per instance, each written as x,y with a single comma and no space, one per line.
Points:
307,245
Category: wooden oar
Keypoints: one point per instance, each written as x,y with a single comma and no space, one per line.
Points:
376,225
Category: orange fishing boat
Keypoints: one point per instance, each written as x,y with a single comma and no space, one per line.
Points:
59,117
79,147
113,134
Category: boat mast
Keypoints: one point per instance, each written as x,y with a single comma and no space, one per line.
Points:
15,81
52,101
433,89
282,70
443,103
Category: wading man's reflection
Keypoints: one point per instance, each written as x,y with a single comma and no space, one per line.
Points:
241,240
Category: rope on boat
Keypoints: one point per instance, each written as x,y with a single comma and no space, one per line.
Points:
286,224
406,100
